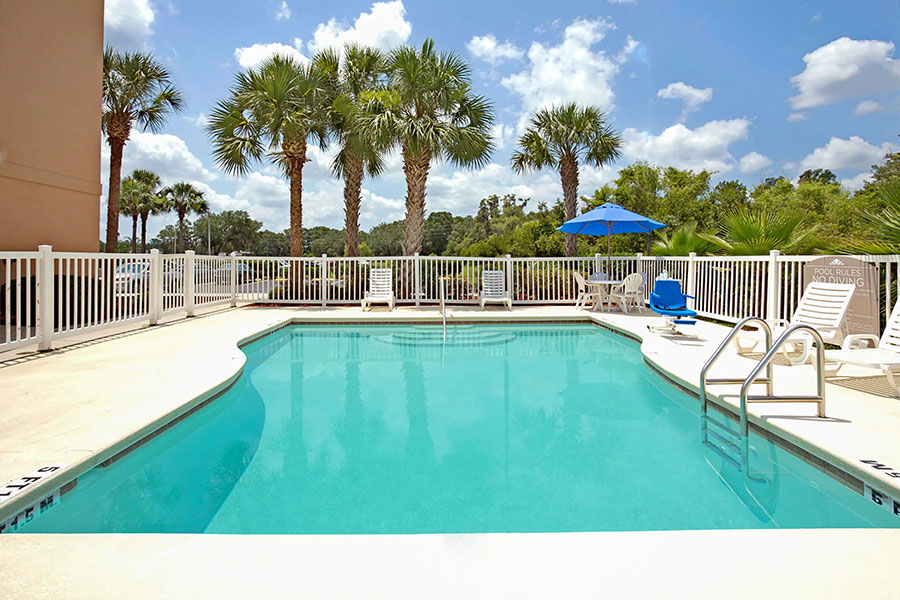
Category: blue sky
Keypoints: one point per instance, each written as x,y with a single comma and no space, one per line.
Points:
749,90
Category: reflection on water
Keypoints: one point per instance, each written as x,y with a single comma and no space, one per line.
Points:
336,430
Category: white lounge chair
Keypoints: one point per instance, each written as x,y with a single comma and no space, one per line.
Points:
884,353
822,306
583,294
381,288
493,289
628,292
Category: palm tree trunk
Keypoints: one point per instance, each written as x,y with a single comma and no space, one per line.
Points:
416,170
134,219
568,172
180,249
116,147
144,231
353,174
296,153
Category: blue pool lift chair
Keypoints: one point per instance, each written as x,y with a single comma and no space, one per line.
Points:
670,303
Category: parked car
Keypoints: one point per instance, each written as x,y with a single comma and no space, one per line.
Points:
243,272
130,276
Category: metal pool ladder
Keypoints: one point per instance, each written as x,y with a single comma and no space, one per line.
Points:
754,377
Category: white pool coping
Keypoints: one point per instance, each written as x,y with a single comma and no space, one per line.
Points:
82,405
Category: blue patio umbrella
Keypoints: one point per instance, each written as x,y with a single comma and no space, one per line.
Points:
609,219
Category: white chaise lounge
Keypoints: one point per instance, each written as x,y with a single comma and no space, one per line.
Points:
884,353
493,289
381,288
822,306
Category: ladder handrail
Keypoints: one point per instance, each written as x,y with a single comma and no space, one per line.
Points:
443,310
766,361
704,400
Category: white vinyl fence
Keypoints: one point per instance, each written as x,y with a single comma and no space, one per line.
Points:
48,295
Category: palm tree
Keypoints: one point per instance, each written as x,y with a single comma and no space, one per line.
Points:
150,202
272,112
356,77
682,242
561,136
184,198
136,90
745,232
131,195
431,113
885,226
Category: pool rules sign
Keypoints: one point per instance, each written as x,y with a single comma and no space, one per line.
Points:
862,314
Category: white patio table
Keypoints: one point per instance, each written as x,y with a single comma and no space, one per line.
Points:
603,286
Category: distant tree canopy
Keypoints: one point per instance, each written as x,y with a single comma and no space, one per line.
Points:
828,218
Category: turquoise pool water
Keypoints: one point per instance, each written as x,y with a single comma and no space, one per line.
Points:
505,428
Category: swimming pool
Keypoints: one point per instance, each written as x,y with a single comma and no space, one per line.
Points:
502,428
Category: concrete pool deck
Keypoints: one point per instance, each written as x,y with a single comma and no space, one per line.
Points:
84,404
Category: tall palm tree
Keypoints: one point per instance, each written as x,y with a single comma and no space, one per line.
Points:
561,136
184,198
150,202
132,193
137,90
431,113
747,232
271,113
356,76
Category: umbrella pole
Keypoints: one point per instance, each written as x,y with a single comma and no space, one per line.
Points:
609,274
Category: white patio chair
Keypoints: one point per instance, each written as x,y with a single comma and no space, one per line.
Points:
628,292
493,289
583,294
884,353
381,288
822,306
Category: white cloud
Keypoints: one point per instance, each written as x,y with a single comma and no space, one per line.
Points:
754,161
165,154
502,134
692,97
854,153
384,27
797,116
705,147
845,69
857,181
283,12
631,45
128,23
253,56
570,71
489,50
867,107
622,1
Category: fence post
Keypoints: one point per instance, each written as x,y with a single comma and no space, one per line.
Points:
597,256
189,282
323,286
232,274
507,266
691,283
45,298
772,291
418,283
155,286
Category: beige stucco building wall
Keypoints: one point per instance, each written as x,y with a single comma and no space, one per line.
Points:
51,64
